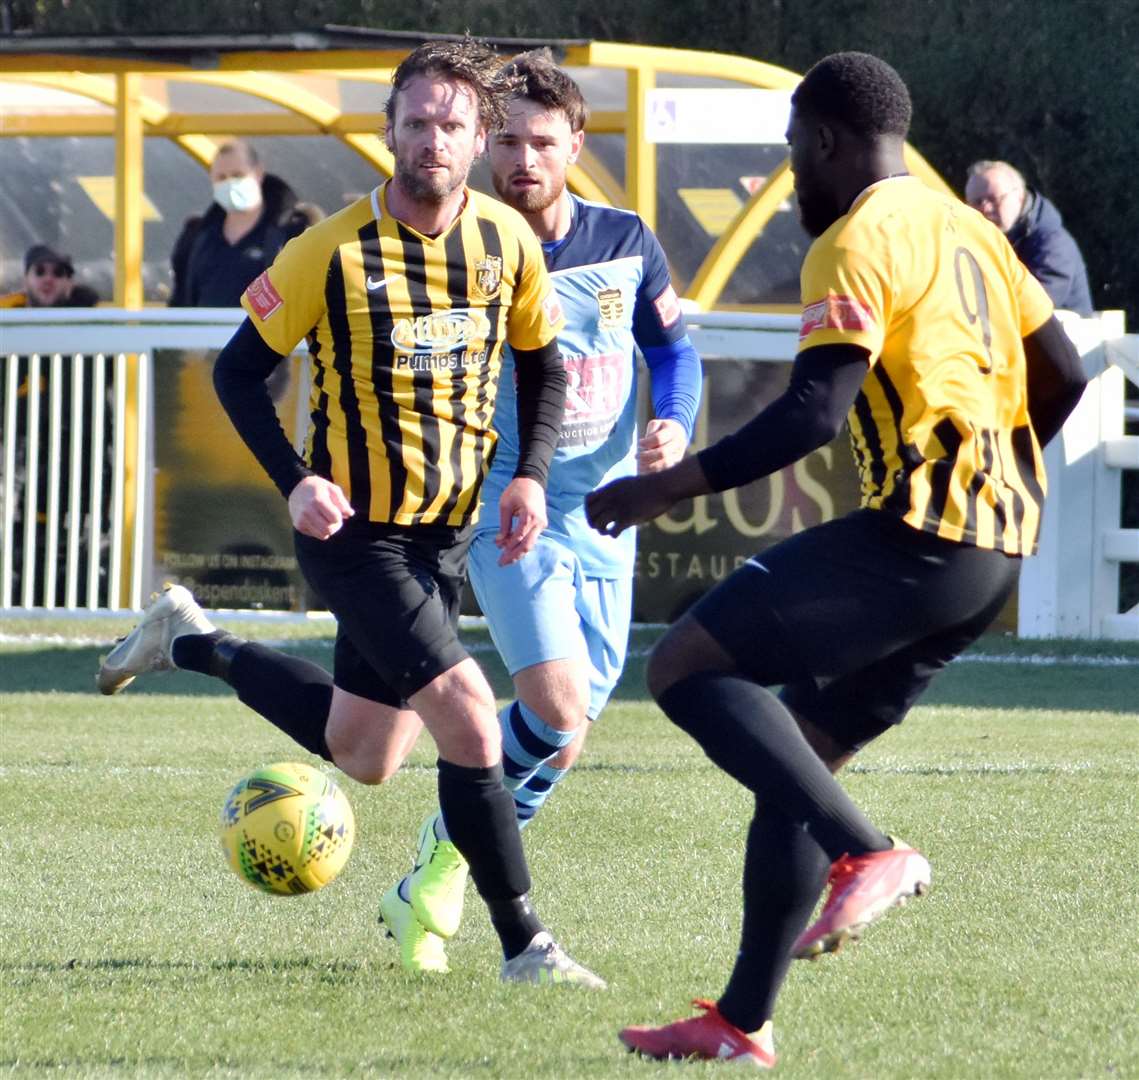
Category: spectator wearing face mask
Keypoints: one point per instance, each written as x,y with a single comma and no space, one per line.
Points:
253,215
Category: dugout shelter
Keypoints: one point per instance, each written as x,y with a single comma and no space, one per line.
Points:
106,140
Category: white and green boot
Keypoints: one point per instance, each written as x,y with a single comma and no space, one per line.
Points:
438,882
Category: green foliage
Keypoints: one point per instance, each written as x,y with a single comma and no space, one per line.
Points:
131,950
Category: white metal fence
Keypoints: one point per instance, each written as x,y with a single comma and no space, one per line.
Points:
78,450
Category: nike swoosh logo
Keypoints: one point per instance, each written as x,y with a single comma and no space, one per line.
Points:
373,284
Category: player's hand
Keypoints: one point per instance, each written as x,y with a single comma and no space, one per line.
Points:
663,444
318,507
521,518
633,500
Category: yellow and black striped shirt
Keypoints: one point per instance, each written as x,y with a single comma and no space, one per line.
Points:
405,335
940,429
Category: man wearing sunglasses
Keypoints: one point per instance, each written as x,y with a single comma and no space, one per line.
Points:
49,281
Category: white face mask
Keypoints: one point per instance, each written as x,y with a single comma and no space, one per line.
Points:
238,193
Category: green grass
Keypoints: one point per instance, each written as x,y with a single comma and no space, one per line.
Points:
130,950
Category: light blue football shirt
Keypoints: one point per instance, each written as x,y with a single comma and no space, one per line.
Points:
616,294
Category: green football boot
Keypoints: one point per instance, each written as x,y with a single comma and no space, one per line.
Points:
419,949
438,882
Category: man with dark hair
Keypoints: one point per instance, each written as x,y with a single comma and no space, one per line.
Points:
407,298
560,617
1035,229
924,330
49,281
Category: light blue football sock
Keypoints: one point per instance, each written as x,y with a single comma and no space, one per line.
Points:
529,797
528,742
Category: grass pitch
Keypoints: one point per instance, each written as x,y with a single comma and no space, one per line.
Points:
129,949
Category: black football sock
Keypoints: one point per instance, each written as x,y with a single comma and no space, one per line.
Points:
291,693
479,813
751,735
784,873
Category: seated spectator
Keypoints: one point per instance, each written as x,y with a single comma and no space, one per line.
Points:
253,215
49,281
1035,230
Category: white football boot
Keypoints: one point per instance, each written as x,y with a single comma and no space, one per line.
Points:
147,647
546,963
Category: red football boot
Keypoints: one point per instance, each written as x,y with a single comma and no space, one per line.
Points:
707,1036
863,887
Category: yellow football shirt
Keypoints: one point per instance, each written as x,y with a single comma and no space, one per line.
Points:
940,429
405,335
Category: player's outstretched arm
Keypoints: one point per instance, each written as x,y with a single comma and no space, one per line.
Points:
825,381
634,500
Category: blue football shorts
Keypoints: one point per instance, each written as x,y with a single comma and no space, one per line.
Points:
545,607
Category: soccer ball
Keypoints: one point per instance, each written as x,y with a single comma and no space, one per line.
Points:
287,829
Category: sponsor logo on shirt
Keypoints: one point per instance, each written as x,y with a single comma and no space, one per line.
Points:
594,389
611,305
668,307
262,296
835,312
443,332
488,276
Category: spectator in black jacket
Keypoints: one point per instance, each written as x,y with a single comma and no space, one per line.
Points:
253,215
49,281
1035,230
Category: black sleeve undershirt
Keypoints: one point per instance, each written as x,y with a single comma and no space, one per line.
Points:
1055,379
240,373
824,384
541,405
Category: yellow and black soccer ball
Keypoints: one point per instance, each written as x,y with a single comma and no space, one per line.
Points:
287,829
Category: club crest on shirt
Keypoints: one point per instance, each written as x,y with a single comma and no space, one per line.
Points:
611,304
488,276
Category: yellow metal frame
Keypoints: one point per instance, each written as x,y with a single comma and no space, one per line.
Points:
281,77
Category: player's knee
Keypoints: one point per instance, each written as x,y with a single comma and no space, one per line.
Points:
567,756
364,770
565,716
471,746
686,649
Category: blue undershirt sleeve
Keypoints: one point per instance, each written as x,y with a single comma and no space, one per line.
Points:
677,379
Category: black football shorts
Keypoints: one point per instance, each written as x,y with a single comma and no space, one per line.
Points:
854,617
395,591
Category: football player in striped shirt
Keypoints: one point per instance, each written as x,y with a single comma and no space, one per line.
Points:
407,299
923,330
560,616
